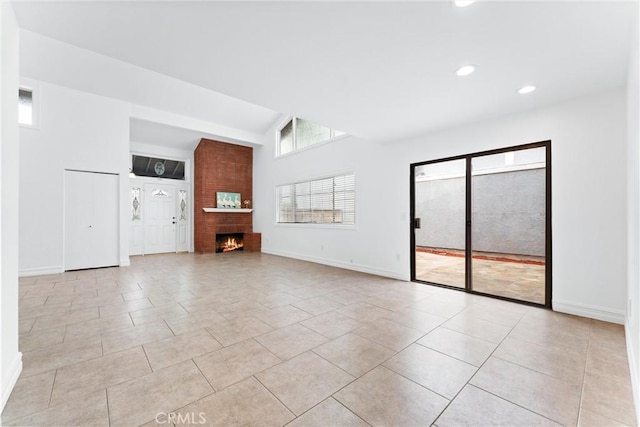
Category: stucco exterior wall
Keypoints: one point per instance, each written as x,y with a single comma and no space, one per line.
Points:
508,213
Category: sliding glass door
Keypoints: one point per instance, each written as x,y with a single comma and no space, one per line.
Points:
481,222
440,222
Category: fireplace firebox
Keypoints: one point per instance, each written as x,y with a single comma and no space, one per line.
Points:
229,242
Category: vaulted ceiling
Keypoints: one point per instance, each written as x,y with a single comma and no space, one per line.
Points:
379,70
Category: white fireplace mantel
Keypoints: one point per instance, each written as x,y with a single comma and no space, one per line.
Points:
228,210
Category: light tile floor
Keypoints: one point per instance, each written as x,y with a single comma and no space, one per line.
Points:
252,339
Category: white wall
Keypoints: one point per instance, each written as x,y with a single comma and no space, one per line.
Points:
79,131
588,202
632,324
376,243
85,102
10,358
185,104
82,131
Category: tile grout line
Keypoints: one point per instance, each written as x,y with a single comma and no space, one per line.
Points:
525,367
214,338
183,307
64,337
381,364
448,355
147,357
515,404
269,350
205,377
584,374
477,370
263,287
386,346
273,394
167,323
131,317
343,405
106,393
53,384
511,362
354,377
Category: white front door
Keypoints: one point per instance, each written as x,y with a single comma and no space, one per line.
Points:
91,213
160,218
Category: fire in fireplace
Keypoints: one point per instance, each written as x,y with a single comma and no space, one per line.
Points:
229,242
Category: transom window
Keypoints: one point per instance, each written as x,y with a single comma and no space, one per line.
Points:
322,201
156,167
25,107
298,133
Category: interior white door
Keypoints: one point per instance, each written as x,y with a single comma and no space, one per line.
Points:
91,220
159,218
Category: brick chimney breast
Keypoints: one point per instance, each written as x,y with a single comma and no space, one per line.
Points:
219,166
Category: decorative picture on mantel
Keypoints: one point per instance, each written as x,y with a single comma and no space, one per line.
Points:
228,200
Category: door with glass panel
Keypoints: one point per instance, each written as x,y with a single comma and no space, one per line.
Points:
160,218
497,241
439,224
508,224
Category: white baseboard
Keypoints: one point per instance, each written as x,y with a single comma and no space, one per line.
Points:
633,370
40,271
125,262
590,311
339,264
12,378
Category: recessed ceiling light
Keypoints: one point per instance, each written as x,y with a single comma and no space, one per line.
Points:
463,3
465,70
526,89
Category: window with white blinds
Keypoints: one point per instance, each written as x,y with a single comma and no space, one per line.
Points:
321,201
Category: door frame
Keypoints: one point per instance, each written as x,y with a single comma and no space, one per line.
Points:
141,182
468,213
65,213
147,198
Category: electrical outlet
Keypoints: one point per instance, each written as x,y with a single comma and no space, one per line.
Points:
397,257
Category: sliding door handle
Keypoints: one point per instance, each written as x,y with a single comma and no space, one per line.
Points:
416,223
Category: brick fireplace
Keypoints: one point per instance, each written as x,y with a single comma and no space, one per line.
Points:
219,166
